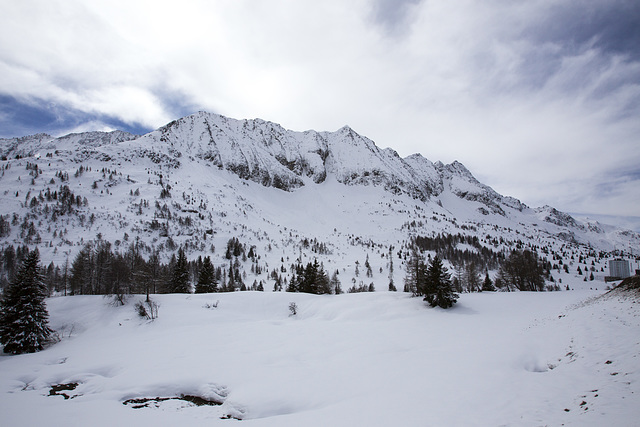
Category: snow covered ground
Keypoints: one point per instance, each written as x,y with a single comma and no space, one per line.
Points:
367,359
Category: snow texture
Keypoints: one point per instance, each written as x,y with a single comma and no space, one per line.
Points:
376,359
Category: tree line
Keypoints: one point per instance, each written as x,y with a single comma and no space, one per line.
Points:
98,269
521,270
446,245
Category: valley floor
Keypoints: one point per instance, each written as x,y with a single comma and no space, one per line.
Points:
368,359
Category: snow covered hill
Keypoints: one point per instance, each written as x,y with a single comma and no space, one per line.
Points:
205,178
374,359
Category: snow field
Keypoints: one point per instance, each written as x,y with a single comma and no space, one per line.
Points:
374,359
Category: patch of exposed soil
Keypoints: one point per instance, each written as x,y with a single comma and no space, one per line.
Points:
145,402
155,402
57,390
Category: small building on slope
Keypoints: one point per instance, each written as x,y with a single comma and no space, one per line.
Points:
619,269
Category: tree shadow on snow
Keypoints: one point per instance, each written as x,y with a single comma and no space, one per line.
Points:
461,309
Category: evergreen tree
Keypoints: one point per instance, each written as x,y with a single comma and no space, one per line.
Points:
414,281
23,314
323,283
231,283
295,284
487,285
154,271
335,284
458,277
180,278
5,228
207,278
313,279
471,277
224,287
438,289
392,286
368,267
81,271
277,286
10,260
310,278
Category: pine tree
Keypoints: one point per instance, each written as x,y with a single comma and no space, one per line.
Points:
487,285
335,284
392,286
295,284
438,289
154,271
368,267
180,278
207,279
81,271
23,314
471,277
414,279
310,278
323,282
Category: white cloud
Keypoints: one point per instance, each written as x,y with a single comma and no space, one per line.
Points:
538,116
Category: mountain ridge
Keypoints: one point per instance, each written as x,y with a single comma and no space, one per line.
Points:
310,153
209,175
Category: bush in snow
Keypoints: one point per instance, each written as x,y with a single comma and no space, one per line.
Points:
293,308
147,309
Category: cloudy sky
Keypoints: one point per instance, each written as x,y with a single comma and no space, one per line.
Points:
540,99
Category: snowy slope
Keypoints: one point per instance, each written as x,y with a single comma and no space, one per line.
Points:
380,359
34,145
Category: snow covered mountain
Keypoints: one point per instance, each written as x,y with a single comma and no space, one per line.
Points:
204,178
292,198
266,153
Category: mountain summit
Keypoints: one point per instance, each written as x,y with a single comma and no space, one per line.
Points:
266,153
